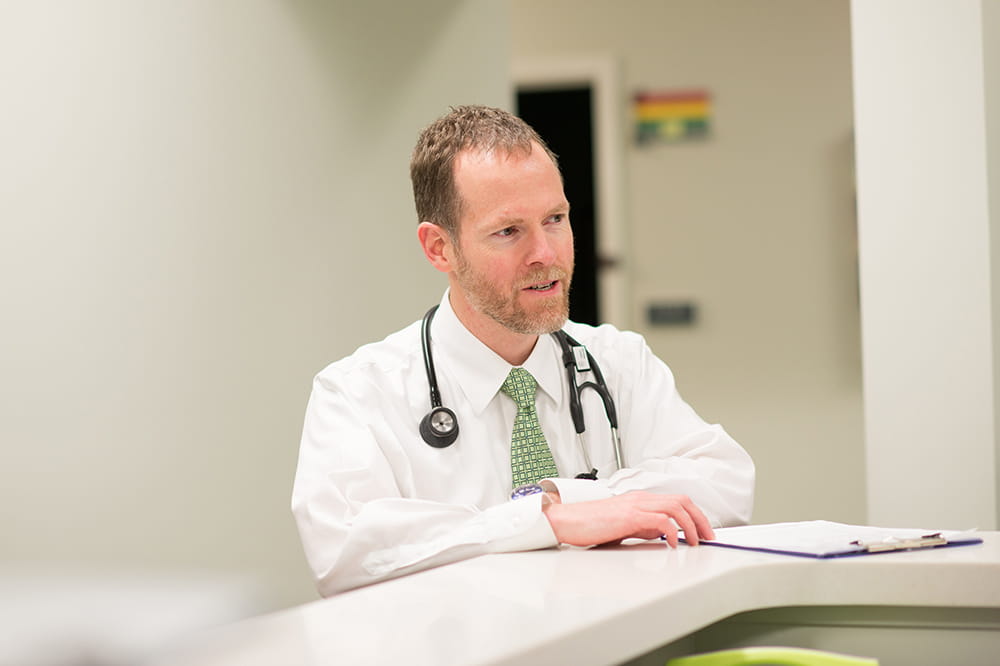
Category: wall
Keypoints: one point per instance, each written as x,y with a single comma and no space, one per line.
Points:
755,226
200,203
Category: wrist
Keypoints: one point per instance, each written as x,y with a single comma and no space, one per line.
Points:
551,493
546,489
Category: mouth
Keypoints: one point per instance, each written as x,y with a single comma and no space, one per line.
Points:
543,286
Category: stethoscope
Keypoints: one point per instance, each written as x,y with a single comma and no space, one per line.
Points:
439,427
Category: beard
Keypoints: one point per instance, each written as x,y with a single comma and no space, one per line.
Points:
504,305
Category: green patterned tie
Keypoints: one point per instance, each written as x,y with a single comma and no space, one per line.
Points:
530,457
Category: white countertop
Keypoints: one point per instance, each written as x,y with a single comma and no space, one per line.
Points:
596,606
70,614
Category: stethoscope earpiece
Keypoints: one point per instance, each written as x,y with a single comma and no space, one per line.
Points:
439,427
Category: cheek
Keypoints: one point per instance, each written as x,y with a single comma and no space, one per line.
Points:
499,272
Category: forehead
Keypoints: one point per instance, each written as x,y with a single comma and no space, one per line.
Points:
497,182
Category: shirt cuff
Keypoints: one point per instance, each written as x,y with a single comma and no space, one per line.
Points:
526,527
572,491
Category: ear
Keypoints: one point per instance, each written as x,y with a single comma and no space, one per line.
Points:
436,243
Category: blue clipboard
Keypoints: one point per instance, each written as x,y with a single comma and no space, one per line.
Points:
823,539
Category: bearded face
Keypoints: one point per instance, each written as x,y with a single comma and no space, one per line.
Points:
533,303
511,261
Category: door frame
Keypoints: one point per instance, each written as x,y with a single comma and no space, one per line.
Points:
600,74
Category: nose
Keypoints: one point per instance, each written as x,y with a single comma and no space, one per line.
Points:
541,249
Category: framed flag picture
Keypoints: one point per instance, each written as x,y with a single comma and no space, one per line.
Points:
672,116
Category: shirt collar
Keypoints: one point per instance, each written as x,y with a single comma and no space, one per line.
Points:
479,371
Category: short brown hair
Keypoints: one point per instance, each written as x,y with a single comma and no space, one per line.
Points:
432,171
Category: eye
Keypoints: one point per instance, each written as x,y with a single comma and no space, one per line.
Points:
505,233
557,218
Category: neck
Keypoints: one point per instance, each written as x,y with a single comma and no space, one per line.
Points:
515,348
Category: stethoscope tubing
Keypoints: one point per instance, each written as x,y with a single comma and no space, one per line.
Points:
568,343
425,344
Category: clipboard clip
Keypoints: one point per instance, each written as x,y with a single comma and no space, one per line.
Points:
892,543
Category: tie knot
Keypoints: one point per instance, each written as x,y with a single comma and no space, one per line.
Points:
520,386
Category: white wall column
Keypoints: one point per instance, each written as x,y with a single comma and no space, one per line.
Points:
923,83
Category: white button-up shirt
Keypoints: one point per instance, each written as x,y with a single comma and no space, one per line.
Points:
372,500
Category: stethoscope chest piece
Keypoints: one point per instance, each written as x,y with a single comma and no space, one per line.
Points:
439,427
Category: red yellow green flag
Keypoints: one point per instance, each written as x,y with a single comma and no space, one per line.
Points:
672,116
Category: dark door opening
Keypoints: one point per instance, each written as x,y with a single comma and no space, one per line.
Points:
564,119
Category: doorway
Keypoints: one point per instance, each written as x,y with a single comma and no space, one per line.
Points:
574,103
564,119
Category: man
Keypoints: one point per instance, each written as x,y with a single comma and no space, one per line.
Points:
374,501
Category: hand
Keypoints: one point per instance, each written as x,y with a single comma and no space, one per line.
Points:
639,515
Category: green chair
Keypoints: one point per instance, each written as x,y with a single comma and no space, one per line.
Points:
777,656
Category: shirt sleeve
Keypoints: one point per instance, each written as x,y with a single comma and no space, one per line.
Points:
357,527
581,490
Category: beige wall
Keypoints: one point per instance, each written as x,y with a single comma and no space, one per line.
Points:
202,204
755,226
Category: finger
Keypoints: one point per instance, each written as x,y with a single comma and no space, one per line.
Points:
676,509
668,529
686,523
675,505
702,522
